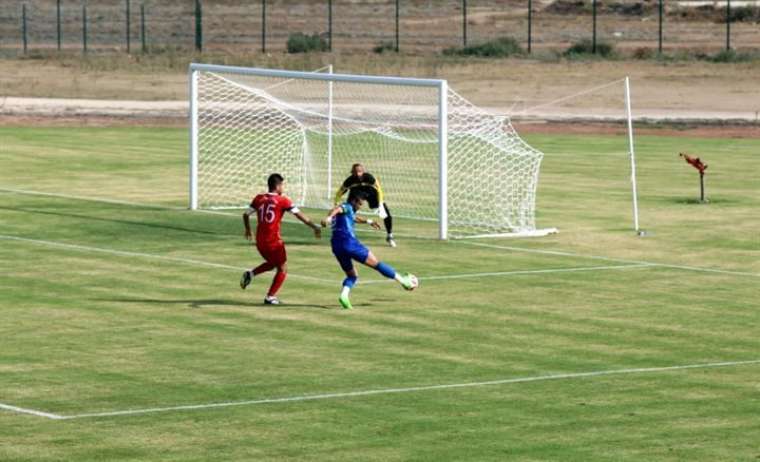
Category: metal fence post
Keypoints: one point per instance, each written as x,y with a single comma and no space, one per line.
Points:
530,26
464,23
329,25
263,26
23,26
84,28
143,38
198,26
593,35
397,28
728,25
659,32
129,45
58,22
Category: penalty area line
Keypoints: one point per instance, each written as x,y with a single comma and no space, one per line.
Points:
22,410
193,262
123,253
561,253
477,244
444,277
386,391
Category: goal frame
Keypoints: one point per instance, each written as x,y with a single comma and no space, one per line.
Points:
439,84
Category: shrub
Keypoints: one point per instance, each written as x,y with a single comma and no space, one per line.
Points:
302,43
501,47
643,53
586,48
383,47
746,13
730,56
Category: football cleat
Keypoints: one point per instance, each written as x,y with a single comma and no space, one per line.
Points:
271,300
345,302
245,279
390,241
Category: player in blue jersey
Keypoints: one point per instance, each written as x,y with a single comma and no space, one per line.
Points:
346,247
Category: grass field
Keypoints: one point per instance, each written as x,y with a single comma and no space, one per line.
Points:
603,345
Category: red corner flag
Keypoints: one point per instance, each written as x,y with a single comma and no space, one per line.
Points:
694,162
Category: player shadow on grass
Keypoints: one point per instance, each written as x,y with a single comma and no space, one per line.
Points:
216,302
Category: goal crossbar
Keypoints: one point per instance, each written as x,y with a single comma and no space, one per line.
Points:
277,73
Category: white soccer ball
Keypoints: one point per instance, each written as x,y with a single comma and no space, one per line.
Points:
414,281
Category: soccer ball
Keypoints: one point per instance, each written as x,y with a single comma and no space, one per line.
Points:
414,281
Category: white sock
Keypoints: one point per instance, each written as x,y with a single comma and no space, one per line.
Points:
345,291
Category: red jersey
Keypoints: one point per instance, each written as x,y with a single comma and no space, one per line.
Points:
270,208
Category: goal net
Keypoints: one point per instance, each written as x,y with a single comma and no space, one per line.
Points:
439,158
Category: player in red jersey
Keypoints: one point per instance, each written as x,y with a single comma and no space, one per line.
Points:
269,209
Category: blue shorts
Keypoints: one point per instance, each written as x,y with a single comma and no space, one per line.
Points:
348,250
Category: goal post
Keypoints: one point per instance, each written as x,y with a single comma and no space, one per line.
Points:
609,103
193,140
440,158
443,161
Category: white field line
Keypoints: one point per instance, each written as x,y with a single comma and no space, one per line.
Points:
479,244
187,261
558,253
610,259
519,272
21,410
385,391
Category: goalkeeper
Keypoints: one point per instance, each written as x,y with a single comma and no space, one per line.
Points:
362,181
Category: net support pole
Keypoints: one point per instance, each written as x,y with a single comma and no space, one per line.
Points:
329,134
193,140
702,187
443,160
632,155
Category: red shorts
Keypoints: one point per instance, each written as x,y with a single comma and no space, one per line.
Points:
273,252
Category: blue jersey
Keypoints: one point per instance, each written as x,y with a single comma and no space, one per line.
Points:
343,224
345,246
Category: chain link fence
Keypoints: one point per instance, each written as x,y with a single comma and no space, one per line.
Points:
359,25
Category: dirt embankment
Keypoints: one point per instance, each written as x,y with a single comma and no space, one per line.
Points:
122,90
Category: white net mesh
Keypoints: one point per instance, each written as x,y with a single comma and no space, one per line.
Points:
251,125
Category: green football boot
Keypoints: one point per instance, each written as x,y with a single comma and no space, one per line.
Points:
345,302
